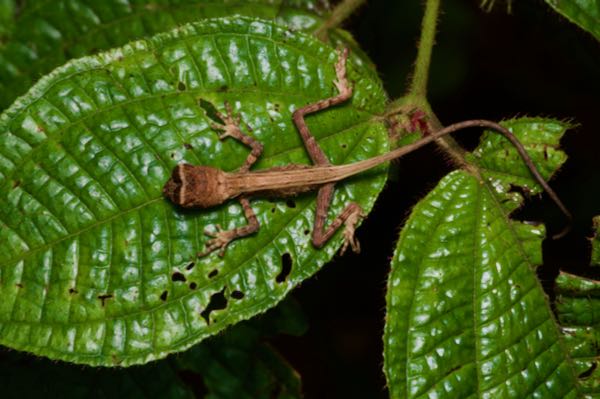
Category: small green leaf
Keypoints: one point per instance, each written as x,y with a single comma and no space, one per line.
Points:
96,266
467,316
49,33
583,13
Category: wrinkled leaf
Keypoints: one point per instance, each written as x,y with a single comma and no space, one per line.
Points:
583,13
96,267
578,307
49,33
467,316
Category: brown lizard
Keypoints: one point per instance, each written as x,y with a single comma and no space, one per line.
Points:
193,186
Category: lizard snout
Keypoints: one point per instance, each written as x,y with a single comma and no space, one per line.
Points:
196,186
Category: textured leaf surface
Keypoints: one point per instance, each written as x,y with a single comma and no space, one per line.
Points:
96,266
467,316
50,32
578,310
583,13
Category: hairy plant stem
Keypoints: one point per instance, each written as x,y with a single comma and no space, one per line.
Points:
338,15
420,76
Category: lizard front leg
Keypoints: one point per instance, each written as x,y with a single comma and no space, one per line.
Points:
231,128
351,215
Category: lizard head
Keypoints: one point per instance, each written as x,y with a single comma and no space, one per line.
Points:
196,186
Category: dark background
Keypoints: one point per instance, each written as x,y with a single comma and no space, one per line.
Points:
485,65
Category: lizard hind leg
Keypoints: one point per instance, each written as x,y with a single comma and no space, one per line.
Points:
349,217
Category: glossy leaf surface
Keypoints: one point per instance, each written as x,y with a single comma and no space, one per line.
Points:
583,13
49,33
96,267
578,307
467,316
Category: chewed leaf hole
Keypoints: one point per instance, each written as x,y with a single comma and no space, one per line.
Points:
164,295
190,266
193,286
210,110
589,371
181,86
286,267
188,146
73,291
213,273
306,232
104,297
177,276
237,294
217,302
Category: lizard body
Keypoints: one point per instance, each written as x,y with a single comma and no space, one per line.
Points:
197,186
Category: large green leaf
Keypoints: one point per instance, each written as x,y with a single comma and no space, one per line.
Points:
577,307
467,316
96,266
50,32
583,13
236,364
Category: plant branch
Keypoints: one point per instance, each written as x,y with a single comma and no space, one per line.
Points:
338,15
418,86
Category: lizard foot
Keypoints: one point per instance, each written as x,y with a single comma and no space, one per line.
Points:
230,126
349,230
341,81
221,238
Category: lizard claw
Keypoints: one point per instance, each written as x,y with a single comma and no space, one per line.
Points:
349,230
221,238
230,126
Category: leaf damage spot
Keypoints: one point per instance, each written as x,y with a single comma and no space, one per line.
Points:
217,302
286,267
164,295
73,291
290,203
104,297
181,86
213,273
178,276
587,373
19,285
190,266
16,183
188,146
237,294
306,232
193,285
210,110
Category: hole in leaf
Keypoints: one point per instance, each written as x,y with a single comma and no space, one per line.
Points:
181,86
16,183
210,110
344,145
589,371
164,295
190,266
103,298
73,291
306,232
188,146
217,302
213,273
545,153
237,294
193,286
172,155
286,267
272,210
177,276
19,285
290,203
